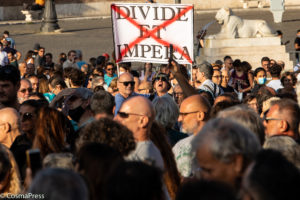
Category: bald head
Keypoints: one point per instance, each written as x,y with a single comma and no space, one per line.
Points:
125,77
9,115
195,103
9,126
137,114
125,84
194,112
139,105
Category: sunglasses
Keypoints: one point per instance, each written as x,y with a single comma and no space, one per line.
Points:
126,83
109,69
161,78
126,115
27,116
24,90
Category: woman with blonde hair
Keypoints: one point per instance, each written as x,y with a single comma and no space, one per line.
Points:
9,173
50,133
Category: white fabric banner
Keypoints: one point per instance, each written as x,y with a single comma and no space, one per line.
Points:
144,32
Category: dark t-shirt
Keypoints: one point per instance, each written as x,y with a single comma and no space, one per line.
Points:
227,89
8,50
297,41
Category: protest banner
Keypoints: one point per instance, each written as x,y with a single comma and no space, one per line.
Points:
144,32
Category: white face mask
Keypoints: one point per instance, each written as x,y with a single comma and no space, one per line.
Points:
48,76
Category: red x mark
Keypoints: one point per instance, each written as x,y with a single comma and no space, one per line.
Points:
152,32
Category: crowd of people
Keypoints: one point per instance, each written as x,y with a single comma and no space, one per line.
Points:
77,129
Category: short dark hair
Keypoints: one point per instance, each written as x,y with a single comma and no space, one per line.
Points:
293,116
77,77
10,73
109,63
49,54
227,57
71,51
6,32
275,70
259,69
102,102
265,59
107,131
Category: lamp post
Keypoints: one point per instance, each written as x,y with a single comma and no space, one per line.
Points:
49,22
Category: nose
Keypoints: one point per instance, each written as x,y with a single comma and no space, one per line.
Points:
179,118
116,118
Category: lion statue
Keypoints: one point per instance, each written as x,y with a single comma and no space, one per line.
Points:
236,27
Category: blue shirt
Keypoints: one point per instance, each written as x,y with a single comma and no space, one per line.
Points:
108,79
119,99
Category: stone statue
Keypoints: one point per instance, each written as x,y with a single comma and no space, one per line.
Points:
236,27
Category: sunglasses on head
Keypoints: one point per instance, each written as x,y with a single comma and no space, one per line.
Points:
27,116
24,90
126,83
161,78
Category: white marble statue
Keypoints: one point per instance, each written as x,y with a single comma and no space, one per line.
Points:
236,27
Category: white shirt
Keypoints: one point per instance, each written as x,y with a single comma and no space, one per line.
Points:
211,87
184,157
147,152
3,58
275,84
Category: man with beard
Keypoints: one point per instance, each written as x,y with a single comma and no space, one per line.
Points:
24,91
194,112
9,86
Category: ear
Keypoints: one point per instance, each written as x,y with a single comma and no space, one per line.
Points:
238,164
284,126
6,127
143,121
200,116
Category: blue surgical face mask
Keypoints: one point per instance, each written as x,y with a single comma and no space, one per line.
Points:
262,81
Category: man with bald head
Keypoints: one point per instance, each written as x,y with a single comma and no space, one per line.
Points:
9,126
137,114
194,112
125,86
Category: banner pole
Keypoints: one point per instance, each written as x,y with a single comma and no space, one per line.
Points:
118,69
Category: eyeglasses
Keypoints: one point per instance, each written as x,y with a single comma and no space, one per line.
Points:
183,114
267,119
27,116
24,90
126,115
161,78
178,93
126,83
